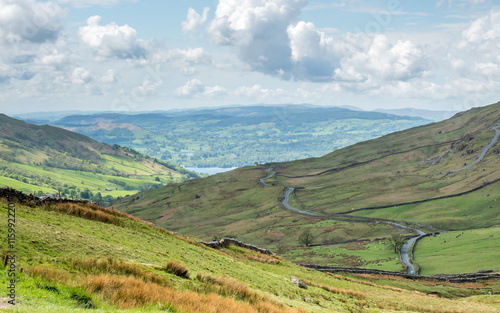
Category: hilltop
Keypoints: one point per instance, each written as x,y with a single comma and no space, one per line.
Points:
71,257
418,177
240,135
47,159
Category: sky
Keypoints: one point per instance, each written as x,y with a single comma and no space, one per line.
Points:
134,56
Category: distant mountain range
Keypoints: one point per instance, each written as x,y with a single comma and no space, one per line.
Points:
238,136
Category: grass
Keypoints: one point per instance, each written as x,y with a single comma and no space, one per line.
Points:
459,251
69,262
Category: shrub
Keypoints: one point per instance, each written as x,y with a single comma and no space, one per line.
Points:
177,268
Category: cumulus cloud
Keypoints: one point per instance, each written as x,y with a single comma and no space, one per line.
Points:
194,20
31,21
258,92
482,37
109,77
383,62
195,87
257,29
112,40
270,38
80,76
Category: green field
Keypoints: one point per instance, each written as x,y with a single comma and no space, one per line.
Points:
64,258
465,251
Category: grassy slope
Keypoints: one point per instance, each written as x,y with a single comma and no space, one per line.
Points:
30,154
394,177
49,242
234,203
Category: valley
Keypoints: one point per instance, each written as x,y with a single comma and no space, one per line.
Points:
240,135
349,196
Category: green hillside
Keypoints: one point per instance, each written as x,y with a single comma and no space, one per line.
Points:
47,159
412,177
81,258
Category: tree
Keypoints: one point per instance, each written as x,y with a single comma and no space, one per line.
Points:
396,241
306,238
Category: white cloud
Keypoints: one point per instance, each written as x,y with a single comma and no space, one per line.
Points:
109,77
80,76
383,62
258,92
112,40
31,21
195,88
194,20
258,31
182,57
270,38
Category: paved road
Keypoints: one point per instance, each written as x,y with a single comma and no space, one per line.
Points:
288,206
485,150
261,180
405,258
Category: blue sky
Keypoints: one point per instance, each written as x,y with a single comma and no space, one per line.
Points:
114,55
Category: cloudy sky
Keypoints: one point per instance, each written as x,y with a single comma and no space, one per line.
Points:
128,55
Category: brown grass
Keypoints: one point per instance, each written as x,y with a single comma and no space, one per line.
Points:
112,266
263,258
129,292
84,211
47,273
177,268
347,292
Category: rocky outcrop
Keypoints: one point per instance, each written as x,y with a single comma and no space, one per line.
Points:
225,242
297,282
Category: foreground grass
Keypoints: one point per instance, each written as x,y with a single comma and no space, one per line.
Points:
71,258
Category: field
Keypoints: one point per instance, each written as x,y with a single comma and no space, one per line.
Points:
459,251
71,262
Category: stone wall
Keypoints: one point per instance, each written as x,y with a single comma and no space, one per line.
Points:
454,278
225,242
14,195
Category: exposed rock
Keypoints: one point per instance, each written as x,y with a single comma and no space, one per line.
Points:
225,242
297,282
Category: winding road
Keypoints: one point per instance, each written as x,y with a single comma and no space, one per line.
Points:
405,258
288,206
261,180
485,150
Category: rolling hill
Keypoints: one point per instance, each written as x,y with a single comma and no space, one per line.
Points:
238,136
418,177
47,159
76,257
